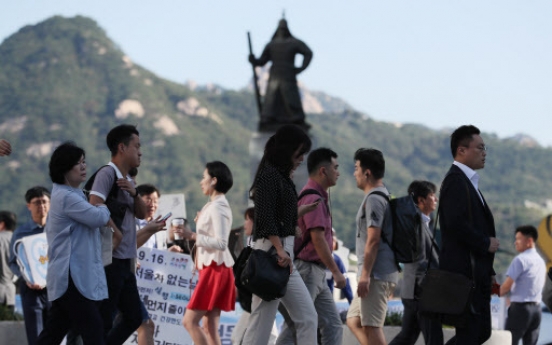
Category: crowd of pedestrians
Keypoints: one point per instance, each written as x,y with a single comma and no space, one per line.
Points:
92,297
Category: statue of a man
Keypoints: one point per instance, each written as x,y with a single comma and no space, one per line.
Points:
282,102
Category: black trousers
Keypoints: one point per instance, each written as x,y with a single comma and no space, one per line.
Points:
35,310
524,322
478,328
413,324
76,312
123,297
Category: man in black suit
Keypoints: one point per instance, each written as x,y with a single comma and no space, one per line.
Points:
467,228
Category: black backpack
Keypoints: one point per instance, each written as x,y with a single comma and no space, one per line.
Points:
406,221
116,208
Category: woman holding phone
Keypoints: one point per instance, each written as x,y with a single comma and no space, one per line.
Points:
215,289
76,278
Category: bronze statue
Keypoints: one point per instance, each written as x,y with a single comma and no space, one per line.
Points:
282,102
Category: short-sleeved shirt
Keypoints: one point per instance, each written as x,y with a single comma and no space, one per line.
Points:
319,218
528,271
105,178
373,212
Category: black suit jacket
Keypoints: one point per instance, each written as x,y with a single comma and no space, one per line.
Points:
466,225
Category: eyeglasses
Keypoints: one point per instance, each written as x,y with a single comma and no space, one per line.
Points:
40,202
480,147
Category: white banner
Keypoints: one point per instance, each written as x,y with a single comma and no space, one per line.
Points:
32,258
165,284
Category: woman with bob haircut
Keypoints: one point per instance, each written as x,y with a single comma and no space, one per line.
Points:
215,289
276,215
76,278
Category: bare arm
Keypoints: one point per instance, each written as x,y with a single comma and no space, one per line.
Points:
147,231
284,259
117,234
370,254
140,207
5,148
323,250
506,286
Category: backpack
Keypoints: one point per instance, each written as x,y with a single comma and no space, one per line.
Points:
406,222
116,208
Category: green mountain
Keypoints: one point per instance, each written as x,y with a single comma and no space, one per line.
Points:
64,79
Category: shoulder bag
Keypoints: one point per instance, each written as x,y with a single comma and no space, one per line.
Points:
263,276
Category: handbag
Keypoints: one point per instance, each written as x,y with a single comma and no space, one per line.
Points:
244,295
446,296
263,276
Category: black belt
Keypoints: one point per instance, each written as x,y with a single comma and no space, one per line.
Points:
526,303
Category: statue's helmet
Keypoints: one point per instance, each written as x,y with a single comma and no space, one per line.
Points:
282,30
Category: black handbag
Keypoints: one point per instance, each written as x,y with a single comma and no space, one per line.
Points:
244,295
263,276
446,296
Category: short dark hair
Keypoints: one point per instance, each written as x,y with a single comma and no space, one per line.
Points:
529,231
63,159
222,173
421,189
462,136
120,134
9,219
371,159
133,172
147,189
36,192
318,158
249,213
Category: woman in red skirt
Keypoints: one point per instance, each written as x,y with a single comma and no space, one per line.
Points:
215,289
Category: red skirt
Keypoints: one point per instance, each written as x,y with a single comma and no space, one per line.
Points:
214,289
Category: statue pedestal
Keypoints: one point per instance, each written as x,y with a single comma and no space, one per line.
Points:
256,150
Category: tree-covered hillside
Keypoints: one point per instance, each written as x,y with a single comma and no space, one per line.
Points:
64,79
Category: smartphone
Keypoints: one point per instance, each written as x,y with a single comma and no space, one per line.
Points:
165,217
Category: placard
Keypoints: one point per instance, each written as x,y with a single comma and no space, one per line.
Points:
32,257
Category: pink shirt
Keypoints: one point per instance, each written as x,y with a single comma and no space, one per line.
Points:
319,218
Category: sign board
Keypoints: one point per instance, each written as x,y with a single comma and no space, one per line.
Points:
165,283
32,258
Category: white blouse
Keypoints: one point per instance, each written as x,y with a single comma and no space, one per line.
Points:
213,229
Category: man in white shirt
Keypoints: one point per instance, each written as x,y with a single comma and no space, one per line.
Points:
525,280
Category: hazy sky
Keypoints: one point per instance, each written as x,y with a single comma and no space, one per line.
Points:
438,63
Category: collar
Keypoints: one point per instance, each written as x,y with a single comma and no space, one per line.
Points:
312,184
117,171
426,219
471,174
529,251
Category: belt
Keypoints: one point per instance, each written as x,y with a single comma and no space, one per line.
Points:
525,303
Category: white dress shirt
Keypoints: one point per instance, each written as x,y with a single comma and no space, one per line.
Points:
472,176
